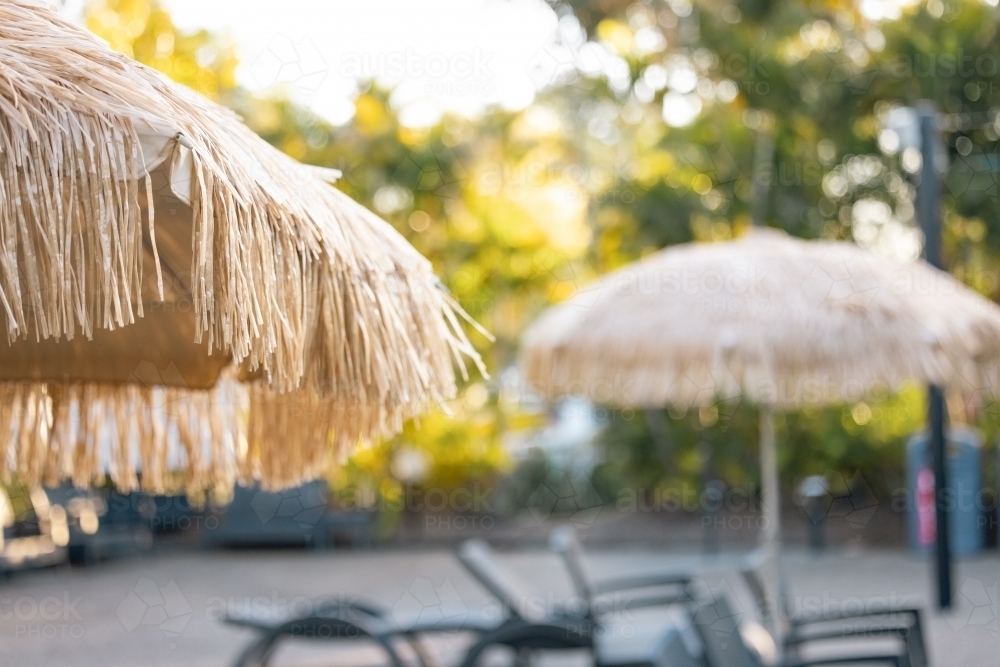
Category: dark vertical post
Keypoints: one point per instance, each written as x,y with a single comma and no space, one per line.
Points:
938,445
928,210
763,170
816,541
929,187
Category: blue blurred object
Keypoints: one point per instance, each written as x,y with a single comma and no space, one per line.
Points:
159,513
94,533
964,469
300,516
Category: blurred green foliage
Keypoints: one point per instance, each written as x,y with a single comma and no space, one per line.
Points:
667,449
516,209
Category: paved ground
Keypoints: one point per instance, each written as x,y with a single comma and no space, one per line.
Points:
657,527
163,610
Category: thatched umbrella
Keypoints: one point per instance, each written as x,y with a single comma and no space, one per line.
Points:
780,321
149,239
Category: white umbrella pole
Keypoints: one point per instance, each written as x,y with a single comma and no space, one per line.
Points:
771,535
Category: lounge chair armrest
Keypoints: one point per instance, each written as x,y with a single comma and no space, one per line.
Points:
323,626
648,601
266,622
463,622
640,581
885,659
518,633
912,633
880,631
827,616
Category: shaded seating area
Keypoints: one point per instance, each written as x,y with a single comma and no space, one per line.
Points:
526,624
649,589
800,632
101,527
660,618
903,625
341,619
619,634
300,516
653,627
719,628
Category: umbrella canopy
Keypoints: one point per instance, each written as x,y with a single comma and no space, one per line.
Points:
780,321
149,239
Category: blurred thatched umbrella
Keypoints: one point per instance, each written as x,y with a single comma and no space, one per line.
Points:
779,321
149,239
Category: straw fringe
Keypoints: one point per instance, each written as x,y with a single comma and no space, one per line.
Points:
303,287
71,238
173,439
168,440
777,320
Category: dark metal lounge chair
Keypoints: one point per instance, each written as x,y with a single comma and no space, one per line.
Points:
879,622
523,625
348,619
659,640
723,646
875,621
655,589
344,618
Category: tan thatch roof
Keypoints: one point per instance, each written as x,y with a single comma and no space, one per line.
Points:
778,320
169,439
142,225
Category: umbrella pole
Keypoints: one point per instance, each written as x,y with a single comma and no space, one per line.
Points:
771,534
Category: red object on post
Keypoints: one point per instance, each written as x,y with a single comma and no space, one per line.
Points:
926,519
